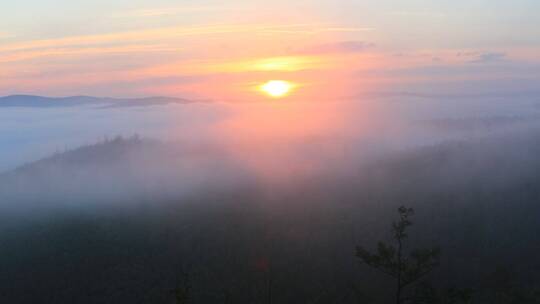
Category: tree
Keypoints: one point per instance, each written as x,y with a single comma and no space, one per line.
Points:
504,287
425,293
182,292
392,260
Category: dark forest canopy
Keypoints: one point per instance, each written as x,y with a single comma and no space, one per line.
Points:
476,200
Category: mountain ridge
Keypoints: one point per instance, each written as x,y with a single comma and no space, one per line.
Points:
36,101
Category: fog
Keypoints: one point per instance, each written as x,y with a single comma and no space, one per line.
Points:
209,188
277,142
31,133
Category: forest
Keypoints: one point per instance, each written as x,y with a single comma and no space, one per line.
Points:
467,233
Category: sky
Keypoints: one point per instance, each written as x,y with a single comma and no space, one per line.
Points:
224,50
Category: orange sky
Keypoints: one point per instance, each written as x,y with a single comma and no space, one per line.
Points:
223,51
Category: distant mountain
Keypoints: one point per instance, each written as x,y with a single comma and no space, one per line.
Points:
31,101
471,124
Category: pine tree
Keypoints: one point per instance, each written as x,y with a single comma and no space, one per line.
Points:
392,260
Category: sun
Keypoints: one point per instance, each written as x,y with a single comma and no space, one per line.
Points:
277,88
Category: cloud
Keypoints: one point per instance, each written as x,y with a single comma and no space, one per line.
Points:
86,51
6,35
170,11
339,47
167,33
417,14
489,57
283,63
146,35
348,29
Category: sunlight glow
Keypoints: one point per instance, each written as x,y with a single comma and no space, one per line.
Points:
277,88
287,63
282,64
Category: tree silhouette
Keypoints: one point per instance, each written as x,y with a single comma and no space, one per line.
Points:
504,287
425,293
392,260
183,289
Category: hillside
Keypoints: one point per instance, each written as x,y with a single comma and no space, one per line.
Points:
30,101
102,245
